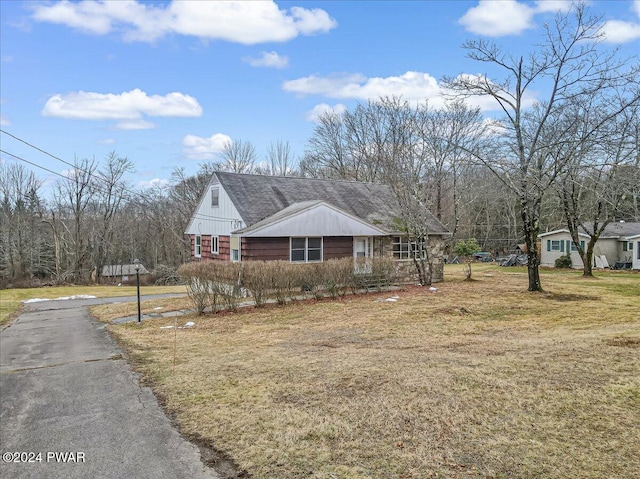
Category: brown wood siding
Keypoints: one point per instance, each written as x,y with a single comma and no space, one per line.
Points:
335,247
265,249
278,248
223,248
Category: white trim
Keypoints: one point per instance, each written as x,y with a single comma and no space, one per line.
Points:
215,239
196,246
311,219
306,249
542,235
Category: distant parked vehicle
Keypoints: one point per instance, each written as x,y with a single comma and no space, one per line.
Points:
483,257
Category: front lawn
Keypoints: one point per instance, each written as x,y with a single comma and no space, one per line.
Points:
476,380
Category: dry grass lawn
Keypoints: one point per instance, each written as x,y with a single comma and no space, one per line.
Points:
478,380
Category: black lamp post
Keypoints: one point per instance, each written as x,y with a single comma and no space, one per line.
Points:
137,263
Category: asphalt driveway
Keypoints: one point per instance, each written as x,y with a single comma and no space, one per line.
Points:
72,407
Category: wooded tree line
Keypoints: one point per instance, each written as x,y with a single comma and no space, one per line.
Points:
569,159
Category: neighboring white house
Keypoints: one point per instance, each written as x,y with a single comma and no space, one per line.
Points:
619,244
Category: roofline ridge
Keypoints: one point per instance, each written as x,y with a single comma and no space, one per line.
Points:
302,178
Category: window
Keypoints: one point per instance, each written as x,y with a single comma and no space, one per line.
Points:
573,246
234,245
198,246
555,245
214,245
305,250
630,245
625,246
638,250
405,249
215,197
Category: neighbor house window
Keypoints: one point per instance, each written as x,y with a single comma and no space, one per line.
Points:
573,246
630,245
305,250
625,246
198,247
215,197
214,245
403,248
555,245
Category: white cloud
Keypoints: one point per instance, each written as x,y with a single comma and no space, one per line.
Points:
543,6
411,86
622,31
106,141
618,31
268,59
154,183
497,18
4,121
316,111
234,21
128,107
199,148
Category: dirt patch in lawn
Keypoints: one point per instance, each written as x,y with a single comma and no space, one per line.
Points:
476,380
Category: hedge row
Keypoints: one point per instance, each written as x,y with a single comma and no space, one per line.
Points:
220,283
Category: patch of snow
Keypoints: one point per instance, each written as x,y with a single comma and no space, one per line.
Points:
391,300
157,308
432,289
166,327
61,298
189,324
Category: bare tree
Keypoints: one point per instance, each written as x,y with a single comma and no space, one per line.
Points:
74,194
568,65
238,156
110,195
24,245
327,155
280,159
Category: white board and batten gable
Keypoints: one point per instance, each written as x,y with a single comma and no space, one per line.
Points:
212,219
311,218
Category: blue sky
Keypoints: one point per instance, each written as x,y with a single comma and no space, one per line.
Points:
167,83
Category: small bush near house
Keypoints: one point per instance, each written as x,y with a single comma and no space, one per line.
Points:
563,261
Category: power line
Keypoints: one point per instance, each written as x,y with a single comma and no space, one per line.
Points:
93,175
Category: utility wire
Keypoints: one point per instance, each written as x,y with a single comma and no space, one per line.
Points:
94,175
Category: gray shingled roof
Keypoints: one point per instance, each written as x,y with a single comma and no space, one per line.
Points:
621,229
257,197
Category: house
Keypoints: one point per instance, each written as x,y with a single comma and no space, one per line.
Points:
619,244
242,217
123,273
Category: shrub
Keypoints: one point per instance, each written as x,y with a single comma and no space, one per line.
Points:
563,261
256,277
166,275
